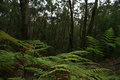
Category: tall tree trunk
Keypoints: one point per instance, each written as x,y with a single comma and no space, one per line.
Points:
83,41
90,27
71,28
25,30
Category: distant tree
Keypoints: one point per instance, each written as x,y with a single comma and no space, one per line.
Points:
91,24
83,41
25,30
71,28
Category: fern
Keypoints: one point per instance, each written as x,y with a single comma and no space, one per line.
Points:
65,66
81,68
38,47
93,46
117,41
38,44
104,45
108,38
18,78
92,42
68,65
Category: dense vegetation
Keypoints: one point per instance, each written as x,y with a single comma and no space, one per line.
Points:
59,40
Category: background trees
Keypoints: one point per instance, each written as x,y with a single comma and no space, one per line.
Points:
25,30
62,24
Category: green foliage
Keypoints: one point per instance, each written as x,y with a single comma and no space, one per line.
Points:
50,21
16,78
62,66
108,38
6,59
117,41
38,44
80,68
104,45
20,44
80,53
5,36
65,66
93,45
33,47
38,47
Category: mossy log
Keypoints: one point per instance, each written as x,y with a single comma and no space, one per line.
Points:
22,45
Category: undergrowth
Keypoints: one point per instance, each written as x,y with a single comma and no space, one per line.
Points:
31,65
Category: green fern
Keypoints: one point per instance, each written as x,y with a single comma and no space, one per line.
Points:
93,46
81,68
102,46
18,78
68,65
108,39
117,41
65,66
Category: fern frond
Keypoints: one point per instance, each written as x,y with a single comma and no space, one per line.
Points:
108,38
18,78
93,45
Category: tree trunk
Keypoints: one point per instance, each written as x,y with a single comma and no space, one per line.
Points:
83,41
25,30
71,28
90,27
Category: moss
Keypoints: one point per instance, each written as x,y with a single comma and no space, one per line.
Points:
6,37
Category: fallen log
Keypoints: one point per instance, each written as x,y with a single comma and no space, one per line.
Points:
24,47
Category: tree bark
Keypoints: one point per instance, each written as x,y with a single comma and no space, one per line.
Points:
25,29
83,41
71,28
90,27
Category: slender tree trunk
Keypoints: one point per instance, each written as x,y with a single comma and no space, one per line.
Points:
90,27
83,41
25,30
71,28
